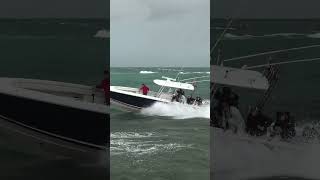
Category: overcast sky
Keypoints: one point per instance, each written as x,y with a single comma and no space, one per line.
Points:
160,33
284,9
54,8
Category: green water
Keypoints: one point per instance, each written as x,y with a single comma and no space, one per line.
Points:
51,49
55,49
158,146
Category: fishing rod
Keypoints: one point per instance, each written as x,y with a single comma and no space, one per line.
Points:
206,80
194,78
179,73
271,52
284,62
221,36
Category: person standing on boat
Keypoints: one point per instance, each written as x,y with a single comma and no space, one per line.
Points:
105,85
145,89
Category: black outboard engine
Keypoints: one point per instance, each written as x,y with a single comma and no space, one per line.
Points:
199,100
286,124
257,123
190,100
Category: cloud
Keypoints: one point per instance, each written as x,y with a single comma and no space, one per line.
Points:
160,33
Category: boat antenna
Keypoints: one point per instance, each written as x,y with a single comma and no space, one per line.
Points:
179,73
221,36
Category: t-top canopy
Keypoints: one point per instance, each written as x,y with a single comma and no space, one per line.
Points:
173,84
238,77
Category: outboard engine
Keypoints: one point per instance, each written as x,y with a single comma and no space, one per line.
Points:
257,123
190,100
198,100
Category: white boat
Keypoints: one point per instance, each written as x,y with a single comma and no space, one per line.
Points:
230,76
245,77
54,119
132,98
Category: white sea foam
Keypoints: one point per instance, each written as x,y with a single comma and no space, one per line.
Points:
314,35
242,157
102,34
178,111
138,144
147,72
206,72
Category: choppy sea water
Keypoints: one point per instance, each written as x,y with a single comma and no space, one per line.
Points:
163,141
296,92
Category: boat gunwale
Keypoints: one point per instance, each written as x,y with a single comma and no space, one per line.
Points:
39,96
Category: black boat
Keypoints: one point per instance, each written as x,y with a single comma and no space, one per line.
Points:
54,119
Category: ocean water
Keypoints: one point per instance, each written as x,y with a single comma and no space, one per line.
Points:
163,141
296,92
51,49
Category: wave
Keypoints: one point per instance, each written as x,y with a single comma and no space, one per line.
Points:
243,157
178,111
247,36
314,35
207,72
141,143
102,34
147,72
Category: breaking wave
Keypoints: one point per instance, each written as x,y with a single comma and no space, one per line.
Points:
205,72
147,72
243,157
102,34
137,144
247,36
315,35
178,111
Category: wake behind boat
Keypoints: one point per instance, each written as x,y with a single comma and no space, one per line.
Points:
171,90
53,118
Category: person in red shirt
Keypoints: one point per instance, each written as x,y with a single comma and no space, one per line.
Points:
144,89
105,85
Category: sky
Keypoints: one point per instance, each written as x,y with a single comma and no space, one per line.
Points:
54,9
160,33
282,9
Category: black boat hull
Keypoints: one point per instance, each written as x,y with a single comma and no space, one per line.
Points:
76,127
130,101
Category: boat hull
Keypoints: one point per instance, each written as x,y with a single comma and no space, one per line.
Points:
81,125
34,121
20,139
130,101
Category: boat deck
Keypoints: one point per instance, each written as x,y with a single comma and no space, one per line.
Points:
75,95
135,91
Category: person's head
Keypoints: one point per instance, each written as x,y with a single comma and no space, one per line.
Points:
143,85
